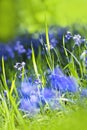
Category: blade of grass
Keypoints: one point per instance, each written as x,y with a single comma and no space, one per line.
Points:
34,63
3,72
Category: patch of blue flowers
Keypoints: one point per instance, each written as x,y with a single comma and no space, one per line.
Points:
33,96
20,49
21,46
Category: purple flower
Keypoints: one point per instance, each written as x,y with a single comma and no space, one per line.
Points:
52,40
68,36
48,93
63,83
27,106
28,88
78,39
6,51
57,71
19,48
73,85
10,51
29,52
61,33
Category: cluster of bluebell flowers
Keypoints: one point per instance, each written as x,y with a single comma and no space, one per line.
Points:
21,46
33,96
78,40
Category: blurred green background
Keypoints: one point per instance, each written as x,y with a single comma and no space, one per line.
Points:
18,16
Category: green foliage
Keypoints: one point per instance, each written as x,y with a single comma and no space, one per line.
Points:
60,12
8,19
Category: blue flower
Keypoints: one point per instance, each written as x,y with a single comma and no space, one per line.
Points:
51,98
73,85
19,48
27,88
29,52
53,40
36,44
48,93
61,33
78,39
63,83
6,51
57,71
29,97
10,51
68,35
27,106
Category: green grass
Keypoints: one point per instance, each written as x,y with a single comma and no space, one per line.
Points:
73,116
52,120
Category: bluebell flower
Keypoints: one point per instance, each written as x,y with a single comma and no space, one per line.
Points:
36,44
51,98
29,52
53,40
10,51
38,82
63,83
57,71
6,51
27,88
61,33
68,35
48,93
30,80
19,48
34,98
29,97
73,85
78,39
19,66
59,83
27,106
